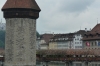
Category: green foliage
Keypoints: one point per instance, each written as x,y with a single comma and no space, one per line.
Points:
37,34
2,45
2,38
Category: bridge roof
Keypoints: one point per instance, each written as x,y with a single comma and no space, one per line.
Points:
95,52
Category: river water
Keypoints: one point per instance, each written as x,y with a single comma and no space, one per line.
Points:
64,64
54,63
50,64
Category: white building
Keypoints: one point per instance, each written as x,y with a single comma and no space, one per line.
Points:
67,41
61,41
77,40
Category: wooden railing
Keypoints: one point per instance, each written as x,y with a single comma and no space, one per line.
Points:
71,59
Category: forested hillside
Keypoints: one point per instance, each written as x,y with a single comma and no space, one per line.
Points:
2,38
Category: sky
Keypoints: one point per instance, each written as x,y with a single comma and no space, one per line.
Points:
65,16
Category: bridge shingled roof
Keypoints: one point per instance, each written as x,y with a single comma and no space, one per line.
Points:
95,52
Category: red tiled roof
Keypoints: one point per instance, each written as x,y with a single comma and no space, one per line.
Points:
46,37
29,4
93,34
96,29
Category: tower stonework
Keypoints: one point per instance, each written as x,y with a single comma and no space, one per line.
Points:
20,47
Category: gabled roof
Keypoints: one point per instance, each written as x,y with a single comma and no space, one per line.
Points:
27,4
82,32
62,37
94,34
96,29
46,37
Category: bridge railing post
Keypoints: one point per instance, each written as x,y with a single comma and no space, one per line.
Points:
86,63
67,63
70,63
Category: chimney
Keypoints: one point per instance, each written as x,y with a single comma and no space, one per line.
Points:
86,29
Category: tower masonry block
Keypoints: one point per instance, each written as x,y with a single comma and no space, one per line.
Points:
20,43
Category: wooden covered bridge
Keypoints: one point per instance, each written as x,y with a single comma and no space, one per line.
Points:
66,55
69,55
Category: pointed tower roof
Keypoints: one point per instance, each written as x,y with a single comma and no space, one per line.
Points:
27,4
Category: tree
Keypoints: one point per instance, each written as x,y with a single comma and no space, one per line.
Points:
2,45
37,34
2,38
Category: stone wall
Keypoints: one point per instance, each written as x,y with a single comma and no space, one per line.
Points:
20,48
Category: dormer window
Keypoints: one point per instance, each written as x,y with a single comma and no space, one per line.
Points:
91,35
66,38
86,36
63,38
58,38
55,39
98,35
51,40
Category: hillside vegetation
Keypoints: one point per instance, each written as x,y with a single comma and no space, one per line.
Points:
2,38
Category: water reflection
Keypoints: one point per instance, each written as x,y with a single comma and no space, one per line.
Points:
50,64
54,63
75,63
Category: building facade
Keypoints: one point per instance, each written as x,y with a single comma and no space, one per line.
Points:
61,41
91,39
67,41
43,41
77,40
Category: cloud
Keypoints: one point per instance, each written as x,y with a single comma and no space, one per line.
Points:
63,16
74,5
1,13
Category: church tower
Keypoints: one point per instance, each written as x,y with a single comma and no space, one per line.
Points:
20,43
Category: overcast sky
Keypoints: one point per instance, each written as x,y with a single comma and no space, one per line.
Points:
65,16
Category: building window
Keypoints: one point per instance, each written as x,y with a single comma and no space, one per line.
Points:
91,35
91,43
86,36
95,44
99,35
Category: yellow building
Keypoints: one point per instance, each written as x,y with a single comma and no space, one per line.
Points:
52,45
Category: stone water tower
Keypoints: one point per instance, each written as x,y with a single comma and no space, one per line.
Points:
20,48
